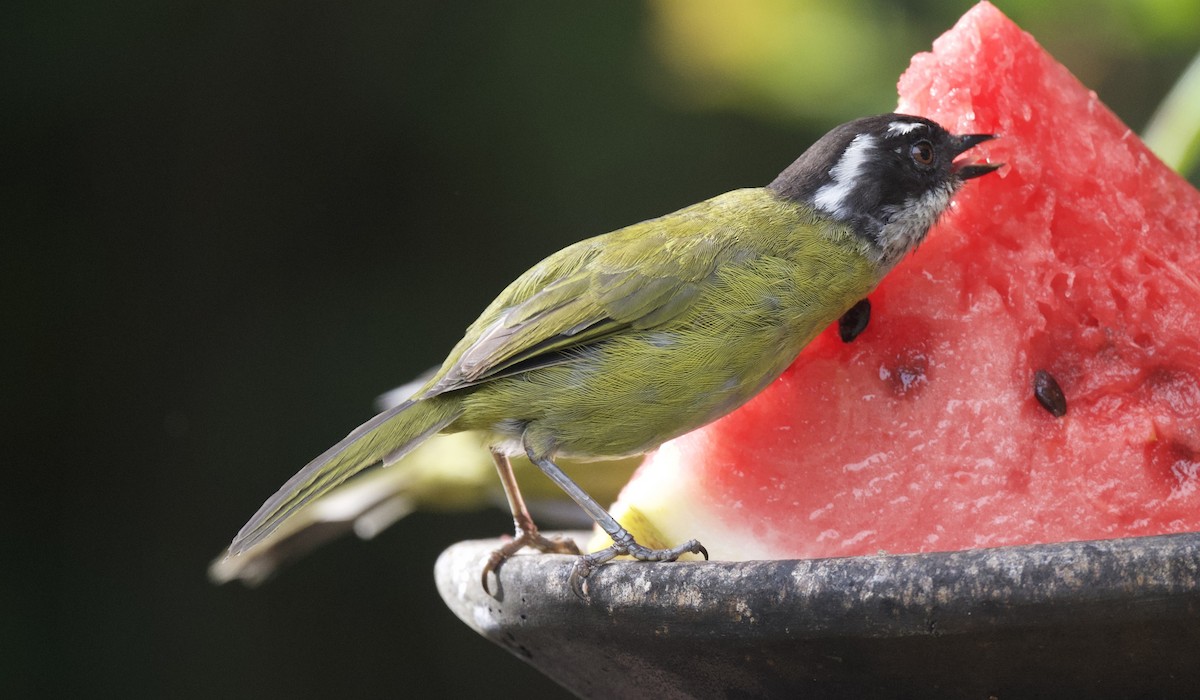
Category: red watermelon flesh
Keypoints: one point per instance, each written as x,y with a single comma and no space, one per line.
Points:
1081,257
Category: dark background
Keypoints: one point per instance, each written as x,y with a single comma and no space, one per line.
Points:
227,226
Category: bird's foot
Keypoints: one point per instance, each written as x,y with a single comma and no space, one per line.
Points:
527,536
624,543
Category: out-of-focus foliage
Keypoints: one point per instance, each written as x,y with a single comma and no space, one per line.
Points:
812,59
1174,131
782,58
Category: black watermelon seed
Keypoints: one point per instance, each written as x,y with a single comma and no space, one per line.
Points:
854,322
1049,394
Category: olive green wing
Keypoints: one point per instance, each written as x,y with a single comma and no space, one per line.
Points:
637,277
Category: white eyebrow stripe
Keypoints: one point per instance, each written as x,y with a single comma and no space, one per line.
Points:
901,128
832,198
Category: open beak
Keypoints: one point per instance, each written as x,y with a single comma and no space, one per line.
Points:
966,171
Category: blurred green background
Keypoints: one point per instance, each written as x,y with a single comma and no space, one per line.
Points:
227,226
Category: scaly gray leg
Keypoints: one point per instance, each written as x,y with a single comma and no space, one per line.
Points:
623,542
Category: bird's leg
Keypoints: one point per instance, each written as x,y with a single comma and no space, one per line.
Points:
525,531
623,542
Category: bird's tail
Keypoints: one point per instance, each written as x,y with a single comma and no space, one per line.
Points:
380,441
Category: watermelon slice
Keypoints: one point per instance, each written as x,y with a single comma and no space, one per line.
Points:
1078,264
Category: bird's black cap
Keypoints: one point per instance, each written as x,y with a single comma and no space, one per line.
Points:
888,177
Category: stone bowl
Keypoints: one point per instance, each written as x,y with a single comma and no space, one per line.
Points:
1112,618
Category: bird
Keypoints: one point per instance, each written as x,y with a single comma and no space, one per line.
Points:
620,342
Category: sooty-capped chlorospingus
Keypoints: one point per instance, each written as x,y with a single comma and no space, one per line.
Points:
621,342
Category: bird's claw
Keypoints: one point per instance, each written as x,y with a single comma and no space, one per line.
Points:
588,563
521,539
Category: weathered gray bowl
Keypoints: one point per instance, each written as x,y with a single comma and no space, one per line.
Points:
1114,618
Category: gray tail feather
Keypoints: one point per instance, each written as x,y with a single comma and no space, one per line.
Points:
382,440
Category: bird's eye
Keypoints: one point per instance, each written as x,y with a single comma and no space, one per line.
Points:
922,152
